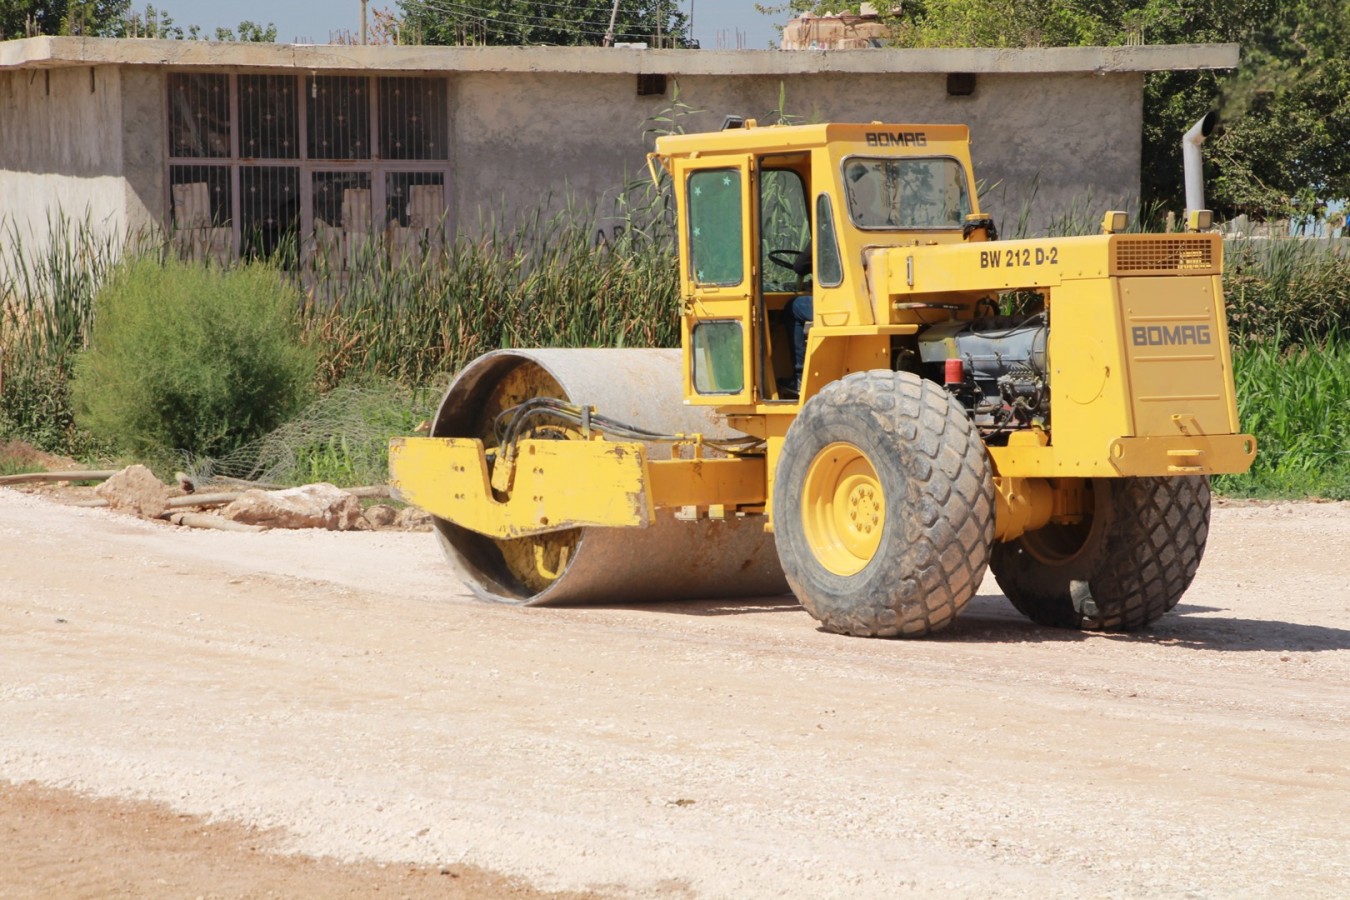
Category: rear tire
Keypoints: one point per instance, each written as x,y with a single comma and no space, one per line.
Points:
1120,571
883,506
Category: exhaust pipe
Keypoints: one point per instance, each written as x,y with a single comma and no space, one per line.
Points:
1191,159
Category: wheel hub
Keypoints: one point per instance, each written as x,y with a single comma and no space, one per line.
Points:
843,508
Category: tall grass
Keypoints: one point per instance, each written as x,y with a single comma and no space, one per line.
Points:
46,309
1296,400
545,282
1289,291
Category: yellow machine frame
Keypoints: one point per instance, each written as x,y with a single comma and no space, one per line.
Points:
1141,380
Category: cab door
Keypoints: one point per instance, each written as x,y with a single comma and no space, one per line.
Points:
717,278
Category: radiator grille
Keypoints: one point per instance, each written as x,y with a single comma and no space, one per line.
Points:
1197,254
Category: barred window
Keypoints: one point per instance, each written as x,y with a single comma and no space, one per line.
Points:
413,118
339,117
303,163
199,115
269,127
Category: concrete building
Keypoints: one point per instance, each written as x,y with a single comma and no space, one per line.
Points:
242,145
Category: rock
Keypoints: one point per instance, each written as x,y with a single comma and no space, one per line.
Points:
312,506
135,490
381,515
413,519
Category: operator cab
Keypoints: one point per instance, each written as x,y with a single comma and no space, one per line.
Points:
775,225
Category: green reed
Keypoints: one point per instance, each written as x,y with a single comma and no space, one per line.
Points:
1296,400
550,280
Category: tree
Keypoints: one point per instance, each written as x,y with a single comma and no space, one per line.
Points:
557,22
249,32
1286,111
101,18
110,18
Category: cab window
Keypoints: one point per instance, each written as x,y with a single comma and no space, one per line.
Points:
715,227
889,194
831,272
784,228
718,358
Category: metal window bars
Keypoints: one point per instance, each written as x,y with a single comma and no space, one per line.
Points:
265,163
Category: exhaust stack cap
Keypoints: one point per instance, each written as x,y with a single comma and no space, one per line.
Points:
1193,164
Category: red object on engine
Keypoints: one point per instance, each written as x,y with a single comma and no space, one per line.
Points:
953,372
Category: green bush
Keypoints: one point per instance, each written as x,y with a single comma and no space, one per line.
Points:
192,358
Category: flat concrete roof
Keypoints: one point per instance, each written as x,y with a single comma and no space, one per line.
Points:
59,52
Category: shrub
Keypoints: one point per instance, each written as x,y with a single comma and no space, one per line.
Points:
191,358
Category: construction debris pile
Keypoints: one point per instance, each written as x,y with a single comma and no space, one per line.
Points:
246,507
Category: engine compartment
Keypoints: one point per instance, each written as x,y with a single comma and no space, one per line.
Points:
996,366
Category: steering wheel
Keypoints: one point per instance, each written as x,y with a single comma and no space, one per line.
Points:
796,261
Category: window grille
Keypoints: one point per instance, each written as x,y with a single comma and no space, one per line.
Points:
308,165
269,210
414,219
413,118
199,116
340,205
339,117
199,211
269,127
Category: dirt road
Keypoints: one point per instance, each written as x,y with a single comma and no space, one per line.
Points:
344,692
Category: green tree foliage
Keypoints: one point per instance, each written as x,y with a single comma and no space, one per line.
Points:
553,22
102,18
111,18
249,32
184,357
1286,111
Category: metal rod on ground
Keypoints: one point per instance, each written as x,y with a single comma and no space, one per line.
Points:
223,497
204,520
219,499
30,477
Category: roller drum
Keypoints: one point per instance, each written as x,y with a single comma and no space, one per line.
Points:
669,560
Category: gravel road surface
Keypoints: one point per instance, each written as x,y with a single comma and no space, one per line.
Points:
344,694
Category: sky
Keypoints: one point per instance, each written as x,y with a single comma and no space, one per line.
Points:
729,24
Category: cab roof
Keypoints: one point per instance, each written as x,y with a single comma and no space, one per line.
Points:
755,138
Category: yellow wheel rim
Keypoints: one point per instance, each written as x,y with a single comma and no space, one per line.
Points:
843,509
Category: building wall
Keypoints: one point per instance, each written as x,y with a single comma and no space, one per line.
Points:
1053,143
1048,143
82,142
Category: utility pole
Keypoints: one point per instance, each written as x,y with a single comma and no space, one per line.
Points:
613,17
363,21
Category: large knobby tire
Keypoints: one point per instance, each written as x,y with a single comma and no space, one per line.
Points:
883,506
1123,568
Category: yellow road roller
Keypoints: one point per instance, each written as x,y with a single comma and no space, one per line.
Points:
875,400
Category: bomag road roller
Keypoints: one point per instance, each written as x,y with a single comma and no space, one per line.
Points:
874,401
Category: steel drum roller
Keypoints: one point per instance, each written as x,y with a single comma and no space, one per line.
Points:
669,560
